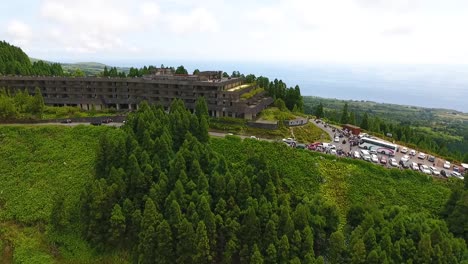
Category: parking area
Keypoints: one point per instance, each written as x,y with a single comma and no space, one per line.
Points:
344,144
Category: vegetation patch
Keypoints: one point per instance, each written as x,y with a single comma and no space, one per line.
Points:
252,93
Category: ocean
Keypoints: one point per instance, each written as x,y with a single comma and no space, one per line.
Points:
432,86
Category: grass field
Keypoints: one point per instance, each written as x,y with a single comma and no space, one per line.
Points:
35,164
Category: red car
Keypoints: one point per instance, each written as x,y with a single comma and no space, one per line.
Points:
313,146
383,160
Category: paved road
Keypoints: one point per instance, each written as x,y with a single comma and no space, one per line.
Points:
346,147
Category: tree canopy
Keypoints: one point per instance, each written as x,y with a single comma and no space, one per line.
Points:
167,196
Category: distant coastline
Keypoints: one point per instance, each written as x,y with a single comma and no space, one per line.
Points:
430,86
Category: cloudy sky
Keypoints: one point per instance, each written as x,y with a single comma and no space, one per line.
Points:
331,31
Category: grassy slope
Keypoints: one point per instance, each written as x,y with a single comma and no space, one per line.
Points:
36,163
344,181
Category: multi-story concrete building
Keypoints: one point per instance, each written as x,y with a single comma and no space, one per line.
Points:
223,95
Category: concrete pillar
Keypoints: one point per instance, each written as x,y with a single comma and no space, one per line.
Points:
129,106
117,106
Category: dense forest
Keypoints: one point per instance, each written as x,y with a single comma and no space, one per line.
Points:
431,130
162,193
14,61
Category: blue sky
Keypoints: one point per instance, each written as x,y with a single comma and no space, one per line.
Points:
306,31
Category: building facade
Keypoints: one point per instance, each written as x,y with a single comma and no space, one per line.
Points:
224,96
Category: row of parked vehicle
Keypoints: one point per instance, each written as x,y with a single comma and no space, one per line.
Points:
371,156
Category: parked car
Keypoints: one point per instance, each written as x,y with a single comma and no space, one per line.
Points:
66,121
405,158
393,162
337,139
414,166
456,174
313,146
424,169
412,152
421,155
356,155
301,146
374,158
254,137
447,165
383,160
431,159
405,164
434,171
443,173
404,150
333,151
96,123
107,121
289,141
455,168
365,155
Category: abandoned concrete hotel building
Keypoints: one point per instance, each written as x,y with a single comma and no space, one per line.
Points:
223,95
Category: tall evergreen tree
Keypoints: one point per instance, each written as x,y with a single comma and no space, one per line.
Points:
202,245
164,252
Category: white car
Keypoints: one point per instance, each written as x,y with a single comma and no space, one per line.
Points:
393,162
425,169
356,155
447,165
404,150
414,166
405,158
374,158
337,139
333,151
457,174
412,152
254,137
421,155
434,171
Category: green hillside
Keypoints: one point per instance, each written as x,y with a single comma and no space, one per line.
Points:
239,183
89,68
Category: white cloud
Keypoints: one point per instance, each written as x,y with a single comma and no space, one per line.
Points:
20,32
198,20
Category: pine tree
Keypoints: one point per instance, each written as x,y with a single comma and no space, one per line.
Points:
344,115
256,257
117,225
202,245
425,250
271,255
283,249
185,242
365,122
336,247
358,252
